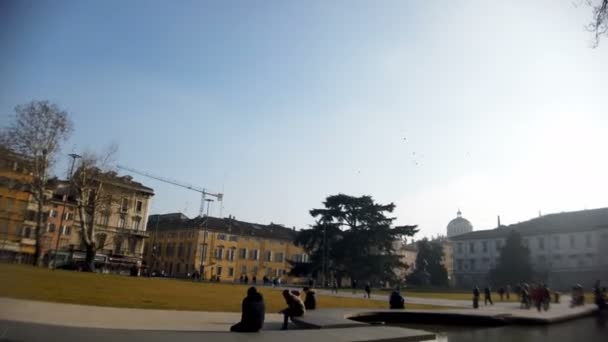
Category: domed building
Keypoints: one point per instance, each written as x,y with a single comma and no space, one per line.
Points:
459,225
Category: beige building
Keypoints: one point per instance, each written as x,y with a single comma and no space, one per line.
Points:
120,227
407,255
220,247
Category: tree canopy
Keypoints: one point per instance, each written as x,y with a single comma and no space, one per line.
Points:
514,264
429,264
356,237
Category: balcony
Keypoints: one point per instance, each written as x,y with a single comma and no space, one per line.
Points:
138,232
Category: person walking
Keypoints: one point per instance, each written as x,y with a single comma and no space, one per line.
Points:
501,293
334,288
368,290
487,296
252,312
508,292
475,297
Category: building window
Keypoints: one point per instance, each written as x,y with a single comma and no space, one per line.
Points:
177,268
122,222
254,254
230,271
268,256
484,246
556,242
133,246
243,253
498,244
188,250
51,228
101,240
105,219
230,254
138,206
458,265
221,236
53,213
219,252
180,250
124,205
541,243
472,247
278,257
243,269
460,247
588,240
136,222
117,244
472,264
233,238
572,241
65,230
219,271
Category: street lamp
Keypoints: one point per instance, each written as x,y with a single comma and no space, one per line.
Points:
74,156
205,249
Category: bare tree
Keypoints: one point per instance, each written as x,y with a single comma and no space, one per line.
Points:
92,183
599,24
37,131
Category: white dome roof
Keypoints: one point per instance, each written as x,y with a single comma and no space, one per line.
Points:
459,225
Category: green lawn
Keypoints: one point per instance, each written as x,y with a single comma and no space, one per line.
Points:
27,282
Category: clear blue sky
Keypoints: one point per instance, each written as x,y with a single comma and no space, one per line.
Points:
494,107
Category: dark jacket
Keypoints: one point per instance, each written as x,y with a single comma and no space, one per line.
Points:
310,303
396,301
253,311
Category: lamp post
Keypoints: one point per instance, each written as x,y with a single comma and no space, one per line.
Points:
74,156
205,249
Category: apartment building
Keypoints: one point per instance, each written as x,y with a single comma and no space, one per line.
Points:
16,243
223,248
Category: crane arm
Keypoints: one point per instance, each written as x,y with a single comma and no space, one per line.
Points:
162,179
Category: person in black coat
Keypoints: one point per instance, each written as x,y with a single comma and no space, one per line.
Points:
396,301
253,311
310,302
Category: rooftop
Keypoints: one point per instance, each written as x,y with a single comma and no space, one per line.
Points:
179,221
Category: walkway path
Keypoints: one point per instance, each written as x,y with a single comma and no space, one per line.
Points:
72,315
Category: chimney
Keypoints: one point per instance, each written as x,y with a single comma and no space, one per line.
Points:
294,228
498,220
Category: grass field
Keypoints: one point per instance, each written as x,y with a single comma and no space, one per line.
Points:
27,282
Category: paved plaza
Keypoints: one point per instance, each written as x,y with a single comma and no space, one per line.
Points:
26,320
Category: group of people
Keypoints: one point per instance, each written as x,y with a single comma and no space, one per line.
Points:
599,294
253,308
487,294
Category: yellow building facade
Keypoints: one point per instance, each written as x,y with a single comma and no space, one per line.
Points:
221,248
16,241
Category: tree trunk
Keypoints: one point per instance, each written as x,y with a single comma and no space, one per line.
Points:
90,257
38,235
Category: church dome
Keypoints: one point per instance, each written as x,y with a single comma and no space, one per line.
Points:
459,225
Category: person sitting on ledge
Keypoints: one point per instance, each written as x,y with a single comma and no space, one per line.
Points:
396,301
295,307
253,310
310,302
